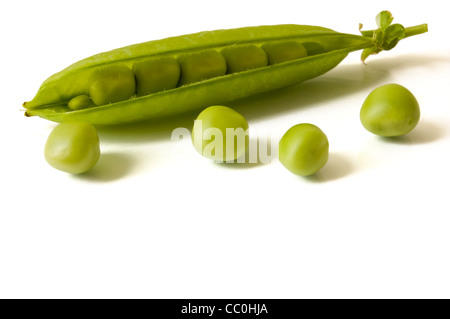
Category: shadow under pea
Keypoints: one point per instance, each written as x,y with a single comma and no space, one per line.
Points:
260,151
338,166
111,166
425,132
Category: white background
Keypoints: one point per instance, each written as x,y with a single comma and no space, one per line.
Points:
154,219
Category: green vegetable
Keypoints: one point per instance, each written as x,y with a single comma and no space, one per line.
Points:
220,133
111,84
73,147
244,57
390,110
303,149
200,66
80,102
156,75
284,51
217,67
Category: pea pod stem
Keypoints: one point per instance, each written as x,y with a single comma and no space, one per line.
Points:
409,31
416,30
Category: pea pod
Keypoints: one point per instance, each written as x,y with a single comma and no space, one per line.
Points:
206,77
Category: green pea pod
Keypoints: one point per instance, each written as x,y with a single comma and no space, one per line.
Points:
330,48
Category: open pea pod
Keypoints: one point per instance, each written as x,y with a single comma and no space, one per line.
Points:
180,74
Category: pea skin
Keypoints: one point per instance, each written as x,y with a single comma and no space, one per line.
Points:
303,149
73,147
390,110
220,133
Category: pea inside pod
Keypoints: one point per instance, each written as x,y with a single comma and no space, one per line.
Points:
284,51
201,66
80,102
313,48
155,75
111,84
244,57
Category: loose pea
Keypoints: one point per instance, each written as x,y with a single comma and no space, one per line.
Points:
303,149
80,102
200,66
73,147
390,110
244,57
220,133
156,75
284,51
111,84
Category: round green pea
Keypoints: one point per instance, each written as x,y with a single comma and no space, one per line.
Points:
390,110
220,133
303,149
111,84
73,147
